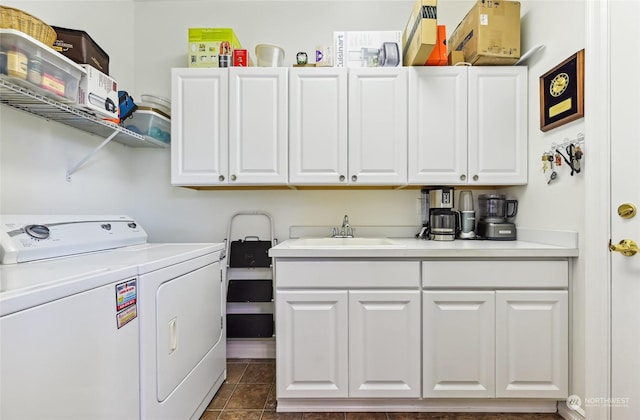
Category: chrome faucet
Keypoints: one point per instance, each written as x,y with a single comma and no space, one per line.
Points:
346,231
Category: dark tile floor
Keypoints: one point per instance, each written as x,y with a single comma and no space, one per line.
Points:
249,393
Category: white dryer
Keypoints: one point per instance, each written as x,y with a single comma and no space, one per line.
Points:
174,293
182,297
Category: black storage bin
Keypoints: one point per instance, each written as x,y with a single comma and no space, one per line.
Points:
249,325
250,253
250,291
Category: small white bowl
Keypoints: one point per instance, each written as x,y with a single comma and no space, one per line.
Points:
269,55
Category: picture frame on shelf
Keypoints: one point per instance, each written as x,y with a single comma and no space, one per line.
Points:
562,93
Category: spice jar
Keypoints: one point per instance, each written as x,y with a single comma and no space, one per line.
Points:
17,63
34,71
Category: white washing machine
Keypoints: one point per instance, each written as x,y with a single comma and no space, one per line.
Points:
119,329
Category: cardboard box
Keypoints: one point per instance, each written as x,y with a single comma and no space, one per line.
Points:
98,92
489,34
421,33
367,49
455,57
438,56
81,48
212,47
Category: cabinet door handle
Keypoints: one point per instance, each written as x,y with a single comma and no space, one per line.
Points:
354,178
341,178
221,178
476,177
463,177
233,177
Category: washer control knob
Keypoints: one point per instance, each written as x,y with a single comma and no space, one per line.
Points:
106,226
37,231
132,225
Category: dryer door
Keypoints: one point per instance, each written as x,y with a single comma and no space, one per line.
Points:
188,314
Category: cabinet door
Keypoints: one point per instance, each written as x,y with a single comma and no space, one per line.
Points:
437,151
384,344
378,126
531,344
497,125
258,128
318,126
458,344
312,346
199,126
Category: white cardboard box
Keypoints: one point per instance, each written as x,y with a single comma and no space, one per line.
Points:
98,92
367,48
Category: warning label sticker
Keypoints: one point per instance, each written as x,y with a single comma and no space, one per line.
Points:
127,315
126,294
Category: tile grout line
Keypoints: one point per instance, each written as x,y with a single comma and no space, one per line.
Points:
235,386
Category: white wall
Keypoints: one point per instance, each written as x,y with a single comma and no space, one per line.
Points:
146,38
559,205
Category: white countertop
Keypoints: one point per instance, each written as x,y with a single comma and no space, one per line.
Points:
530,244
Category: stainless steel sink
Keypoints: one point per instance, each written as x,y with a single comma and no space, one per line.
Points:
344,243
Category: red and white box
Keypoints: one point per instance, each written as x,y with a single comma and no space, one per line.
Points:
240,58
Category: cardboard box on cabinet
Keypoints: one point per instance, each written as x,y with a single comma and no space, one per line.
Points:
438,56
455,57
367,48
212,47
421,33
489,34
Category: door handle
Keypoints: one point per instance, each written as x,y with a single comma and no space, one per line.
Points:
173,335
626,247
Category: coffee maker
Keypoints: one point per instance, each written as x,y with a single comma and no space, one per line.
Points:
443,221
494,212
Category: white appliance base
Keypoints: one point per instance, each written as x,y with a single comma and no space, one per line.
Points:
415,406
205,402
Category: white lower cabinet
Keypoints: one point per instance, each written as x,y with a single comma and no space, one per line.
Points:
364,329
384,344
458,337
312,344
532,340
504,343
349,341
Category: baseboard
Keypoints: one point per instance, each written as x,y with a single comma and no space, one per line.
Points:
251,349
569,413
417,405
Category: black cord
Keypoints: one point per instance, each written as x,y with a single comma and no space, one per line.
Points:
573,162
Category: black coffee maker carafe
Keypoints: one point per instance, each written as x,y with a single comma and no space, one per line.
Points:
443,221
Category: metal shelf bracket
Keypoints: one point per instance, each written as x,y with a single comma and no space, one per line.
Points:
78,165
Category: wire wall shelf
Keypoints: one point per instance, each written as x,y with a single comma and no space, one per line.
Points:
26,100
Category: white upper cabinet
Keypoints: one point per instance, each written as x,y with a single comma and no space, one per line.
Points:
258,125
468,125
348,126
199,126
498,125
318,125
229,126
437,125
378,126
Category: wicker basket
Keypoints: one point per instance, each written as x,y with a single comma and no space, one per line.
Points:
11,18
